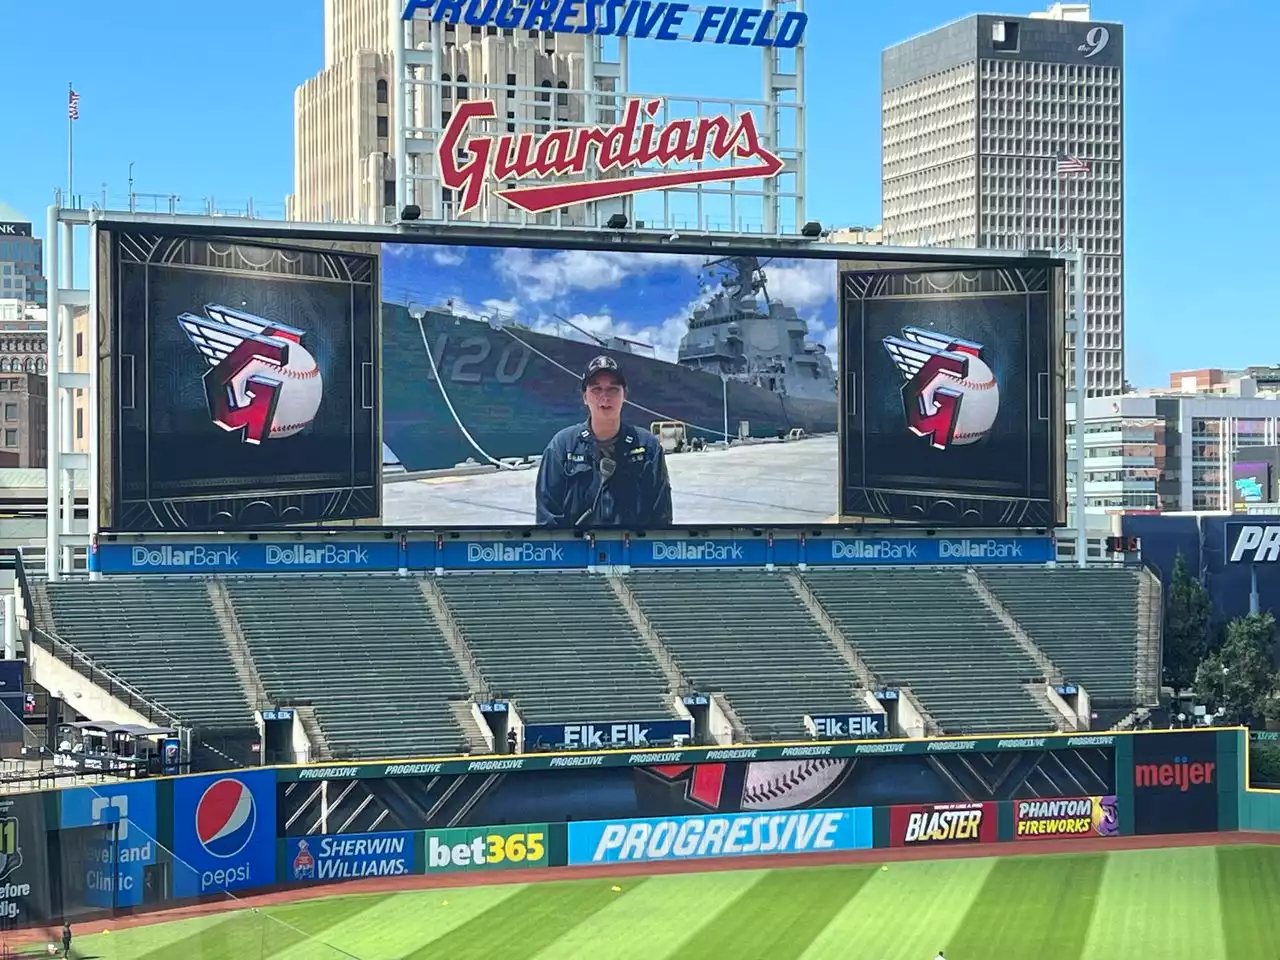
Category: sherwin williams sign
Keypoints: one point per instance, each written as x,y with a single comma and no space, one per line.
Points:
513,554
352,856
732,835
224,831
486,848
907,551
247,556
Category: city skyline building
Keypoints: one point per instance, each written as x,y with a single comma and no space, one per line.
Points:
977,116
367,127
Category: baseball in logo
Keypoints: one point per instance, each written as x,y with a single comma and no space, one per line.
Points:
944,823
950,397
1074,817
225,818
262,382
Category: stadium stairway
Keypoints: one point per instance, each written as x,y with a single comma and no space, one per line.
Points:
367,654
161,637
557,644
1087,621
928,630
748,635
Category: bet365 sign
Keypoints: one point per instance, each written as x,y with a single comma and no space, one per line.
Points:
486,848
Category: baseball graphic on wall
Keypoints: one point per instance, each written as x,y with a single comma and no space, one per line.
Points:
950,397
262,383
788,784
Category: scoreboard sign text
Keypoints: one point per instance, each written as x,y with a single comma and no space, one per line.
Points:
942,823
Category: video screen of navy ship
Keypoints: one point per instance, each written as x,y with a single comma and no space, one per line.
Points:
954,383
587,388
244,376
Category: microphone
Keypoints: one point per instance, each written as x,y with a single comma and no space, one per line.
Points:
607,466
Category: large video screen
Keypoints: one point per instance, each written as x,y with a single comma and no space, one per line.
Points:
588,388
1251,482
952,383
244,377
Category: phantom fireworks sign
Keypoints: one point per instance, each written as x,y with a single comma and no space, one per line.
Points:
638,141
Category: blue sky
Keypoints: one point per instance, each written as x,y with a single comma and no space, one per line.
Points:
199,96
647,297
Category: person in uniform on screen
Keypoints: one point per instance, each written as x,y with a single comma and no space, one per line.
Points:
603,472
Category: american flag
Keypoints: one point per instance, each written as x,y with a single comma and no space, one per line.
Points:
73,105
1069,164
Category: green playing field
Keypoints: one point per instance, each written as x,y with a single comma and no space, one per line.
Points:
1209,903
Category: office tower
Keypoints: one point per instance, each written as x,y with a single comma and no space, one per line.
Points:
975,118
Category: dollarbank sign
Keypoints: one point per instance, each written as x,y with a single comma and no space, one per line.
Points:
613,153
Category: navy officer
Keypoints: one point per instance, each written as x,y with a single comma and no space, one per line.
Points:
604,472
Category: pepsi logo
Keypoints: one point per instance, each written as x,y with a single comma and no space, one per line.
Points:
225,818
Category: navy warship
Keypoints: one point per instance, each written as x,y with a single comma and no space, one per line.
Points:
459,388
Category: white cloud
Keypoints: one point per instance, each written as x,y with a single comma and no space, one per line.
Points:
447,256
802,284
541,276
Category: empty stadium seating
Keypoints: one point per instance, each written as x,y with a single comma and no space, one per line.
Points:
558,644
1090,628
929,630
162,637
365,651
746,634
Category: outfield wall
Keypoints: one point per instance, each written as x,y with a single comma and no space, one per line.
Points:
142,845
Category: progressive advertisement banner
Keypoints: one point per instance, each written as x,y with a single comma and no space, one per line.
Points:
224,831
600,736
248,556
327,859
703,837
486,848
1067,817
115,868
1175,782
942,824
940,551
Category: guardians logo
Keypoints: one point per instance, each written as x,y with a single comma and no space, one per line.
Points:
1075,817
944,823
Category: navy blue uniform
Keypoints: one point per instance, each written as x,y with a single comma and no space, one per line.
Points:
637,496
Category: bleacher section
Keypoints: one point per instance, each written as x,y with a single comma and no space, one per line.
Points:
365,651
927,629
746,634
162,637
558,644
1090,628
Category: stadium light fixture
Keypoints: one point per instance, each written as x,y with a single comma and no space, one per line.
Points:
411,212
812,230
617,222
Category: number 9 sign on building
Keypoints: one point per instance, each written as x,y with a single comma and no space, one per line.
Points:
486,848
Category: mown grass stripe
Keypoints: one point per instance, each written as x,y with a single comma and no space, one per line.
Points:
1032,907
136,941
259,934
399,923
778,917
651,923
1249,896
1157,903
523,925
904,912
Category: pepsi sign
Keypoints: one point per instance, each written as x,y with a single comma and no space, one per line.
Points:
224,828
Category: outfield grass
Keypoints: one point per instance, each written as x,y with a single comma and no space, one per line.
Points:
1208,903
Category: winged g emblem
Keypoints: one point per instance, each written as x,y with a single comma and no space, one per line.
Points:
950,396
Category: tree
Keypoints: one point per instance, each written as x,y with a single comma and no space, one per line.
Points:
1187,632
1240,679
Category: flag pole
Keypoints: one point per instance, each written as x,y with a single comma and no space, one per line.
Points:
1057,204
70,144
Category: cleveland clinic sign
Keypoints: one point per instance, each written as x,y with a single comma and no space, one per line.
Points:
640,19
